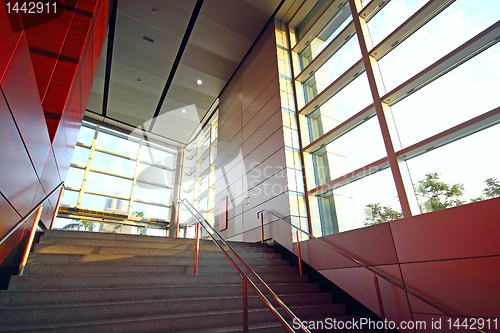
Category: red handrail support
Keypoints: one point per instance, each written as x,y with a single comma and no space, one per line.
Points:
298,252
61,192
379,297
245,305
30,240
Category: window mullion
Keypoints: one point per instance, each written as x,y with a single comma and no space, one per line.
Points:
404,187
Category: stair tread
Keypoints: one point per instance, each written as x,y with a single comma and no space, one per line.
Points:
179,299
154,317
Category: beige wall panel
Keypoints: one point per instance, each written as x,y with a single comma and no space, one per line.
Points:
234,120
262,134
260,153
271,92
270,73
253,127
269,167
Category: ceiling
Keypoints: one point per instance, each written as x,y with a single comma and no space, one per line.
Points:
159,51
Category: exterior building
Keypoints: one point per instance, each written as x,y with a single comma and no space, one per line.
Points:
356,121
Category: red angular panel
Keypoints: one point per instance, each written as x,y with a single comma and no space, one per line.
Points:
8,40
74,44
18,179
21,91
88,6
50,176
65,69
44,60
81,22
49,35
56,96
43,84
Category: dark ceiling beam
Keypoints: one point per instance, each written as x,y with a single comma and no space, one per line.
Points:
178,57
109,57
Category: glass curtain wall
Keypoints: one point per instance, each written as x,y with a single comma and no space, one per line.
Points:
116,173
198,178
398,107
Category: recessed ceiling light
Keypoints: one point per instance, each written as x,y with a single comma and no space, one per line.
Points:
183,110
171,132
199,81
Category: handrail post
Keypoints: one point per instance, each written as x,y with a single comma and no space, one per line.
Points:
379,297
177,219
245,306
298,250
197,248
57,207
261,225
30,240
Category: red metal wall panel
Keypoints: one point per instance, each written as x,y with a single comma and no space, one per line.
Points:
451,257
8,40
18,179
21,92
460,232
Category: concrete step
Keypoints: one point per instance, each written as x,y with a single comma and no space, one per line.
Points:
172,322
139,238
125,259
62,313
37,297
99,281
184,245
94,269
89,249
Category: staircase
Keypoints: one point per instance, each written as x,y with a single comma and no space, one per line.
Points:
97,282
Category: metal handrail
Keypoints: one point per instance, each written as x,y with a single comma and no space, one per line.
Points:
34,209
246,278
393,282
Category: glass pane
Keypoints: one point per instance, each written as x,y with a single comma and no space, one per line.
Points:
75,178
152,210
347,207
460,22
329,32
332,69
98,182
110,163
204,164
86,135
468,162
152,174
204,184
311,17
117,145
151,193
98,202
352,151
80,156
349,101
70,198
203,203
392,16
464,93
158,157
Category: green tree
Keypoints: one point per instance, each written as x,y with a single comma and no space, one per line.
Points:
376,213
437,194
139,212
87,226
492,190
